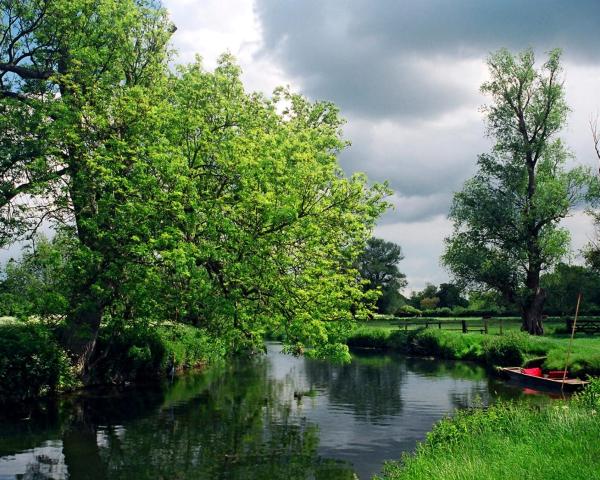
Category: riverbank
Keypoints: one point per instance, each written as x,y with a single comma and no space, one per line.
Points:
33,364
511,349
510,440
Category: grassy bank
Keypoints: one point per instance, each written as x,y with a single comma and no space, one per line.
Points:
513,348
552,325
511,441
33,364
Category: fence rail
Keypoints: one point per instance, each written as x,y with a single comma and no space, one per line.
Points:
584,325
463,326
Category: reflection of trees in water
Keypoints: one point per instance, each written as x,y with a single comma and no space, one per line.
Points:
477,392
448,369
369,385
235,428
44,467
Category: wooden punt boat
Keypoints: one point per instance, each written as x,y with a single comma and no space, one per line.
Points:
517,374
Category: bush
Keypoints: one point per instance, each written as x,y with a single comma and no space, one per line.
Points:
450,345
505,351
583,360
127,353
31,362
408,311
590,396
369,338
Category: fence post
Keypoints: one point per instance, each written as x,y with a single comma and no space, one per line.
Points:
464,326
440,324
485,326
501,331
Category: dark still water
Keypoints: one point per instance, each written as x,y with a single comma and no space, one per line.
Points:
274,417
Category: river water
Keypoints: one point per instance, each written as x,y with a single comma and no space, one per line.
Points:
273,417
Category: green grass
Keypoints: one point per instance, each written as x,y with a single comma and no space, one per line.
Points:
512,348
510,441
495,325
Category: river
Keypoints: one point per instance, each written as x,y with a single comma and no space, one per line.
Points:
272,417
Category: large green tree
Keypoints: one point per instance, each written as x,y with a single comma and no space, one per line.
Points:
565,283
269,227
185,196
450,296
378,266
71,74
506,218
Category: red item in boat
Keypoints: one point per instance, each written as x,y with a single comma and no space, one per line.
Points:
556,374
534,372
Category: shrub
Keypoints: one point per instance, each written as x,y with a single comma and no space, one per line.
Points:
439,343
140,350
590,396
369,338
408,311
505,350
582,360
31,362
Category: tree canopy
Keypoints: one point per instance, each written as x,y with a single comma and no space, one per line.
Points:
378,266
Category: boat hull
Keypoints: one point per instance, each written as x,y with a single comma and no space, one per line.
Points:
570,384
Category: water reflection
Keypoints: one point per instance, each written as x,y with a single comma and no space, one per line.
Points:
274,417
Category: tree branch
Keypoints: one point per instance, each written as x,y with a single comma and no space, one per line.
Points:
26,72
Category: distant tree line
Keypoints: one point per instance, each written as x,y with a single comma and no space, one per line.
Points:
379,267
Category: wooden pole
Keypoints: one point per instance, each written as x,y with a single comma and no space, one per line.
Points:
570,342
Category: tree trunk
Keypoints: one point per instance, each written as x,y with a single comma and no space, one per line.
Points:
82,332
532,312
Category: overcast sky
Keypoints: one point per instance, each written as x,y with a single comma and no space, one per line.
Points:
406,76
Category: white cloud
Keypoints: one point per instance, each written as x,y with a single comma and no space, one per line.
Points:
211,27
422,246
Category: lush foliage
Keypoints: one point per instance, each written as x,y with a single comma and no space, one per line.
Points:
565,283
506,218
37,284
510,440
131,352
31,361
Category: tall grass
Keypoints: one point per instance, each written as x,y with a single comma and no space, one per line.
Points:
510,441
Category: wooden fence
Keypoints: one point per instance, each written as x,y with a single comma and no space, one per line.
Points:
584,325
464,326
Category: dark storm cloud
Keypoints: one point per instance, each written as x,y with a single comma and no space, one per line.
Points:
367,55
406,75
